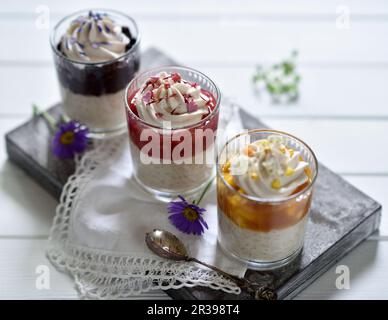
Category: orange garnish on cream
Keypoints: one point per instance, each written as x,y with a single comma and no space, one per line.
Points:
226,167
249,151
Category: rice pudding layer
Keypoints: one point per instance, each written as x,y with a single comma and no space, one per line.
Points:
103,112
175,178
255,222
270,246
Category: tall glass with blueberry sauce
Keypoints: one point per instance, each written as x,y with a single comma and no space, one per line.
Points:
96,54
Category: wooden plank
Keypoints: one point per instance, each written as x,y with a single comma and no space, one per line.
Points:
345,146
18,262
27,209
376,187
241,43
325,92
206,8
6,124
368,280
365,216
227,42
365,281
25,86
374,129
19,259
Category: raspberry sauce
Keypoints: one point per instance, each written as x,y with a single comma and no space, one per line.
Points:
174,136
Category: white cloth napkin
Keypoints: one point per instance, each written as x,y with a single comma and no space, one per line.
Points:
100,226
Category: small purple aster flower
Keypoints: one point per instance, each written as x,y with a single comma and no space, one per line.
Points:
187,217
70,139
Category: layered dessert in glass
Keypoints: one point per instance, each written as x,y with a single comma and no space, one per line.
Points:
265,183
172,115
96,54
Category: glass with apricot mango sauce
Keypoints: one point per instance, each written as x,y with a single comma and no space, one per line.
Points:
265,181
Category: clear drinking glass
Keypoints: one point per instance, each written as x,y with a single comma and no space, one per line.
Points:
264,233
164,171
92,92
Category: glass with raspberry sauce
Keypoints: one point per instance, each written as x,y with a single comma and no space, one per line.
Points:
172,116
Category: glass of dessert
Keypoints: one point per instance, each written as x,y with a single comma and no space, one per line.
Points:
265,181
96,54
172,115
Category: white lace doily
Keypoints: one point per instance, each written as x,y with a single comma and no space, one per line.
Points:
106,262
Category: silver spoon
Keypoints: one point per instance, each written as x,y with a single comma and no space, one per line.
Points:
168,246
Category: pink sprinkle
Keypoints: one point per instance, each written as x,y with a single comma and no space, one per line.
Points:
176,77
147,97
194,84
154,79
159,115
192,106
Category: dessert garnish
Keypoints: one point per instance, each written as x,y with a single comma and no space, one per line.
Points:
169,98
281,80
267,168
70,138
94,38
188,217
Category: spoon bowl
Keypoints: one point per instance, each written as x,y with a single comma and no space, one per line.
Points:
166,245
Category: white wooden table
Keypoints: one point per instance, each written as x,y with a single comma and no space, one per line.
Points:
342,113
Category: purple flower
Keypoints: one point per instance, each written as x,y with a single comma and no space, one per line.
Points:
187,217
70,139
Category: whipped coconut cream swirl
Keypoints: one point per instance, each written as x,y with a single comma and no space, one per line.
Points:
168,101
94,38
268,169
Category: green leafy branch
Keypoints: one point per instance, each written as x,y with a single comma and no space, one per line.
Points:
281,80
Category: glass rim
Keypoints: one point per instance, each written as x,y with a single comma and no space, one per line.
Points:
162,68
269,200
97,63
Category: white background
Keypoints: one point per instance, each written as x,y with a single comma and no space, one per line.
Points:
342,113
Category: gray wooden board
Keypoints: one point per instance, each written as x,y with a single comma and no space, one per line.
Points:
341,216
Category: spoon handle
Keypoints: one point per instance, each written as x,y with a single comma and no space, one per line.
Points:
235,279
258,292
